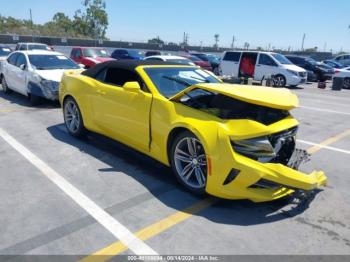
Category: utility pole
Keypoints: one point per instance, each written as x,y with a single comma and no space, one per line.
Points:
325,47
233,42
302,43
31,23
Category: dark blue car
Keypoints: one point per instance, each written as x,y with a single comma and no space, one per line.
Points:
121,54
333,64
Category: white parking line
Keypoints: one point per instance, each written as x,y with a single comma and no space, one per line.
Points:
106,220
324,146
325,110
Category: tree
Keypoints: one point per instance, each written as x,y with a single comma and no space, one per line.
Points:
93,21
216,37
156,41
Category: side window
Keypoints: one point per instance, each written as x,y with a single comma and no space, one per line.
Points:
22,47
118,76
78,53
232,56
101,75
21,60
72,53
266,60
12,59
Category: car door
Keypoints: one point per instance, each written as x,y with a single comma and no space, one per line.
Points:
20,74
266,66
120,114
230,63
9,70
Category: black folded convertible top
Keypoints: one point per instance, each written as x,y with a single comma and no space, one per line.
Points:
123,64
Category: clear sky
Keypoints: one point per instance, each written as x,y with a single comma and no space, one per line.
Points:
258,22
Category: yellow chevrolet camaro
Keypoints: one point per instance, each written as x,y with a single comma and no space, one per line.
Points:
231,141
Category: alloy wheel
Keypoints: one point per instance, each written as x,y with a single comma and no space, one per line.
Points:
346,83
191,162
279,81
71,116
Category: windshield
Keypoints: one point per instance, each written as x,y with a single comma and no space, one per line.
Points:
282,59
311,61
38,47
135,53
95,53
202,57
213,58
51,62
181,61
5,51
170,81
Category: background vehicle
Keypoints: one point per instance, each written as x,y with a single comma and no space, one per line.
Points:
152,53
333,64
199,62
212,59
89,56
4,52
343,59
259,65
322,72
229,141
170,59
130,54
35,73
344,73
32,46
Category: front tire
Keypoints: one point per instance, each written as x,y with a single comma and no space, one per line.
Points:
73,118
279,81
5,87
346,84
189,162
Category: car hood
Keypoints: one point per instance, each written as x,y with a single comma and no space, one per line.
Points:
97,60
294,68
263,96
53,75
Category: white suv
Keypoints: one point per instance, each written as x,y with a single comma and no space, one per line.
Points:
260,65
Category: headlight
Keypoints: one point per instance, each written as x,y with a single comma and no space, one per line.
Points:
255,148
292,72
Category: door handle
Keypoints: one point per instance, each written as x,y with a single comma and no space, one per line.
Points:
101,92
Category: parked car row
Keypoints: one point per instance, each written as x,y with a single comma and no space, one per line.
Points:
289,70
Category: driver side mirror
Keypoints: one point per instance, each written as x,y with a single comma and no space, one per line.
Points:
132,86
23,67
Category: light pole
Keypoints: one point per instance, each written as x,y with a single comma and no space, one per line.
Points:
302,43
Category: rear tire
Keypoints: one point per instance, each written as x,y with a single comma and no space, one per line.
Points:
5,87
72,118
189,163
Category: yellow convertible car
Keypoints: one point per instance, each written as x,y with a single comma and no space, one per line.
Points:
231,141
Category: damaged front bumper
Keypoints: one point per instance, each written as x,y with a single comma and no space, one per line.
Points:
245,178
45,88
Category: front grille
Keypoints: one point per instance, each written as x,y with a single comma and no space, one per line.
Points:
284,145
302,74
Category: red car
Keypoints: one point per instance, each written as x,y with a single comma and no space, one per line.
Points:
203,64
89,56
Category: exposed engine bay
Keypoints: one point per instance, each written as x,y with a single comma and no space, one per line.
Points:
226,107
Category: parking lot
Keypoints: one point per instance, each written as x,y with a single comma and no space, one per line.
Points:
60,195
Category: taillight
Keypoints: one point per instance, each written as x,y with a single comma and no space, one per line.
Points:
336,71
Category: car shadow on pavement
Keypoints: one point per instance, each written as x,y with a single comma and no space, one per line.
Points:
20,100
121,158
